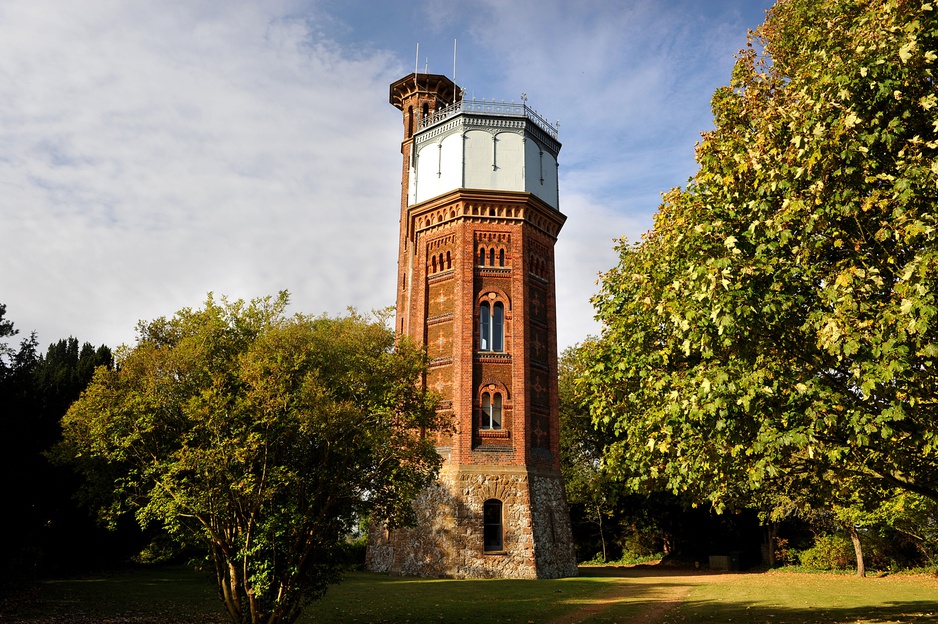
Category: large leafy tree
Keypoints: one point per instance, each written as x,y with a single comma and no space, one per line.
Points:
780,317
261,436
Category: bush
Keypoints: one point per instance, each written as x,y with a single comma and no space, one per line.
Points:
829,552
640,546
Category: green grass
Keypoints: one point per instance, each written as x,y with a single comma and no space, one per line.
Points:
367,598
799,598
601,595
154,595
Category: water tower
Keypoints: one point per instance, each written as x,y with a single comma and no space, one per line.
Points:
479,219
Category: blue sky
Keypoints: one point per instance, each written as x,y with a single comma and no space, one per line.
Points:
153,152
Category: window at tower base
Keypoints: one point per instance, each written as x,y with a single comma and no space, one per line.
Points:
492,525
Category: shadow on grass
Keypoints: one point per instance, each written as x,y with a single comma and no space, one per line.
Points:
708,611
599,596
158,595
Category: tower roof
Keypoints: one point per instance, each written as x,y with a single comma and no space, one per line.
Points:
413,84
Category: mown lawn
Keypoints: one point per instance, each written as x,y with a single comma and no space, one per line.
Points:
599,596
786,597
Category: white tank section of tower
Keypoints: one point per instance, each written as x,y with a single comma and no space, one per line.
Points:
484,145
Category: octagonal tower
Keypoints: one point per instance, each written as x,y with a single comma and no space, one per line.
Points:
479,219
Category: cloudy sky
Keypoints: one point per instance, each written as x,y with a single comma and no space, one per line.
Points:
151,152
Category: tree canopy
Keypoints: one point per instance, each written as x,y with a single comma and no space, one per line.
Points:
780,317
262,436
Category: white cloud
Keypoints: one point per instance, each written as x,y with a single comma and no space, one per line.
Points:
152,155
151,152
631,84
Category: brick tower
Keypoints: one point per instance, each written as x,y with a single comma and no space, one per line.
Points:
479,219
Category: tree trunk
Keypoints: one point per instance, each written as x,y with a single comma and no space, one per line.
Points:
858,549
771,530
602,537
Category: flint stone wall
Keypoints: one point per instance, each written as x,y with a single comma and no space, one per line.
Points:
448,538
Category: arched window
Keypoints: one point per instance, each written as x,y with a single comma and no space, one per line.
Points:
426,110
441,261
492,525
449,264
492,256
498,327
482,256
491,327
491,411
410,121
501,257
433,264
485,327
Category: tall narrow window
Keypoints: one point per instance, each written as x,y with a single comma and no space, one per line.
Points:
491,411
482,256
485,327
449,264
491,327
492,525
501,257
498,328
492,257
433,264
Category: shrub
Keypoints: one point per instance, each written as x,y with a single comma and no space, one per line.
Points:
829,552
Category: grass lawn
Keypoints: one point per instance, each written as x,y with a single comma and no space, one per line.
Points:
599,596
158,595
788,597
367,598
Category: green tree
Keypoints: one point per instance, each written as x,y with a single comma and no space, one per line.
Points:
6,330
262,437
588,490
781,316
52,533
605,515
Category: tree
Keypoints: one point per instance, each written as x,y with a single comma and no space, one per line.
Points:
587,488
262,437
781,314
66,534
52,533
605,515
6,330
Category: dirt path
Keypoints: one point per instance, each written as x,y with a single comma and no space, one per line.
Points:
656,591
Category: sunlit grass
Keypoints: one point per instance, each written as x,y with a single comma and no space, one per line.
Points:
375,598
600,595
787,597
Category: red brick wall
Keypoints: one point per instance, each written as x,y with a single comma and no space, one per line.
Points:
442,312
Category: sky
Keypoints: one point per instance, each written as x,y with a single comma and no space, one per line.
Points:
153,152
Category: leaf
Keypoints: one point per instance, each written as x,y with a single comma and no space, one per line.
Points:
905,52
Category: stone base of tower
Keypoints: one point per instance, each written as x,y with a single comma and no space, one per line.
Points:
447,540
